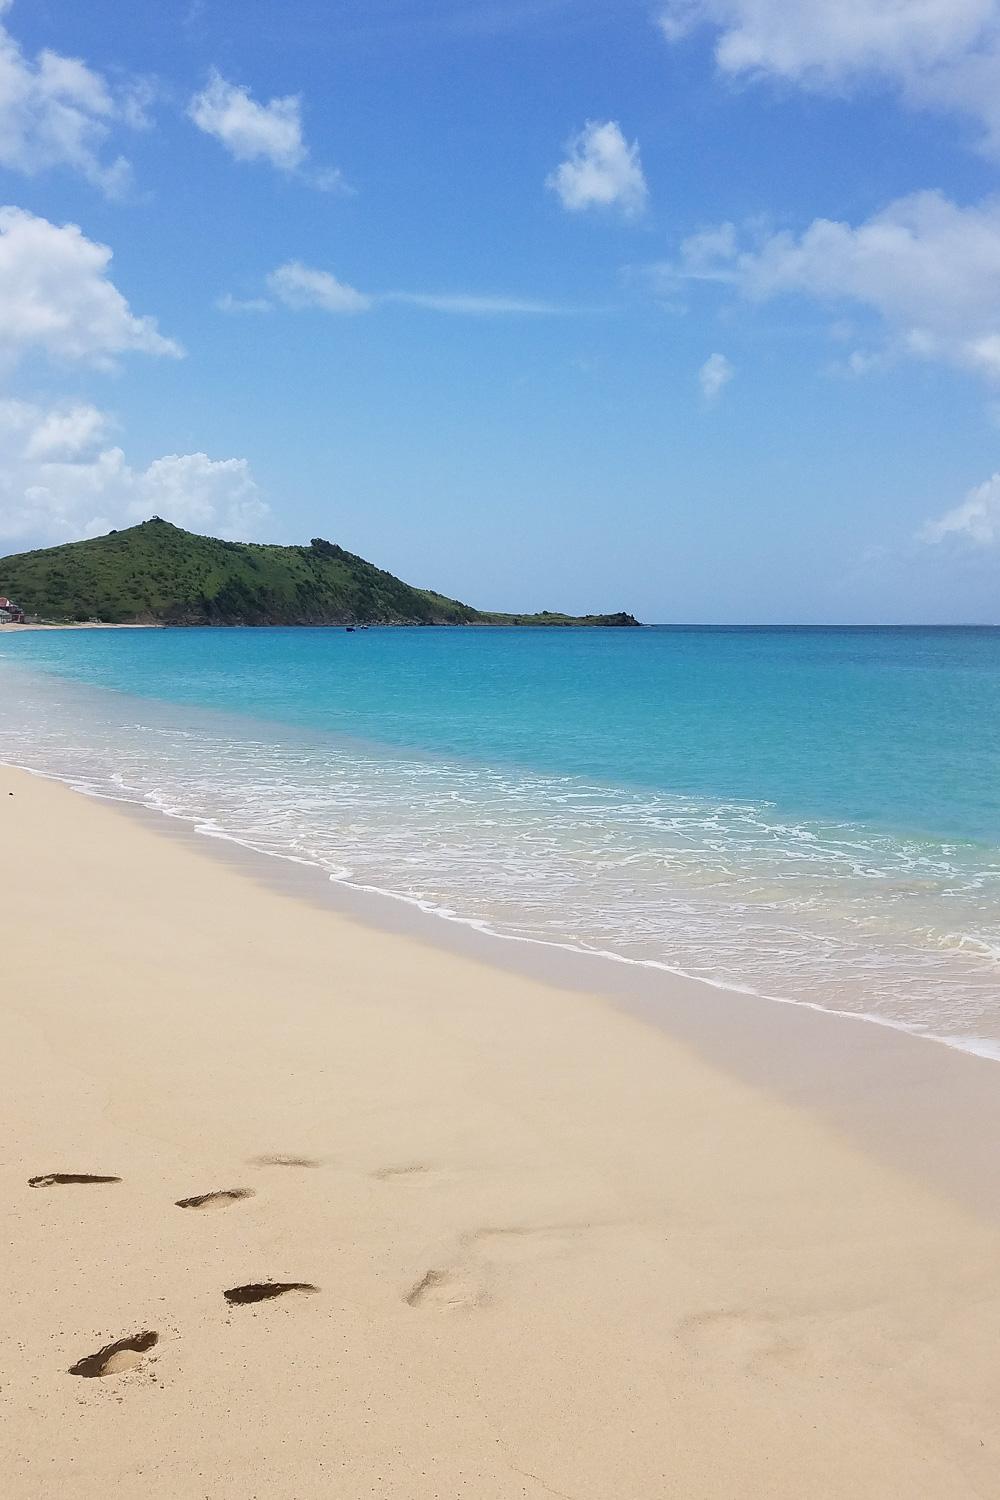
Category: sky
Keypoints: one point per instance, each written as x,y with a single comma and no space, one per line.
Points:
685,307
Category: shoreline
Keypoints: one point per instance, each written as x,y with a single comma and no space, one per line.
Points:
800,1052
79,625
549,1247
854,1077
898,964
371,904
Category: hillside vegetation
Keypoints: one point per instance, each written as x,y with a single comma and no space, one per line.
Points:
158,573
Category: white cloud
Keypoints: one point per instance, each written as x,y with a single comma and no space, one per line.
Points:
601,171
60,479
937,53
59,433
55,296
251,131
975,520
708,255
257,132
230,304
217,495
928,269
714,375
470,304
55,111
829,40
300,286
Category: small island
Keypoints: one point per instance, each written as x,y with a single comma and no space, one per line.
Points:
158,574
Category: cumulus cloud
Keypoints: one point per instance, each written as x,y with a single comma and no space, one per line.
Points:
829,40
601,171
61,478
714,375
936,53
976,520
55,111
56,297
54,433
219,495
925,267
257,132
300,286
251,131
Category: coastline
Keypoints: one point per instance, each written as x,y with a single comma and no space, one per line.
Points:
924,971
937,1117
918,1103
79,625
556,1249
934,1116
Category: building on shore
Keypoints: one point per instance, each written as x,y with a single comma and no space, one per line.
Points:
10,614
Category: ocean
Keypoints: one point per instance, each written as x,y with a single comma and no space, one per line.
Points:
810,815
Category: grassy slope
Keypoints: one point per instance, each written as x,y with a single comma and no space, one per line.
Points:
157,572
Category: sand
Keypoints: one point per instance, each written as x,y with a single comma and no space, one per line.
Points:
79,625
531,1245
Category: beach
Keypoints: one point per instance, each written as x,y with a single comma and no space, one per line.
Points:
21,625
539,1246
500,750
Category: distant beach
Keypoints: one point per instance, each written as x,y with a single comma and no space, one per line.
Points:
75,625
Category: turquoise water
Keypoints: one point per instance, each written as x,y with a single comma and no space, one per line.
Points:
811,814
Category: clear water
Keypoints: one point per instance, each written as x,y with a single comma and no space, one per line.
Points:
811,814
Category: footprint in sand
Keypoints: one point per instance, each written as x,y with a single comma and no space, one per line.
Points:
524,1244
263,1291
282,1159
115,1359
491,1252
57,1179
445,1289
220,1199
745,1338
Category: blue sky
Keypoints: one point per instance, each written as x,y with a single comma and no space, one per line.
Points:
690,307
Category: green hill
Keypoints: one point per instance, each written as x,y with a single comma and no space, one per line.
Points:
157,573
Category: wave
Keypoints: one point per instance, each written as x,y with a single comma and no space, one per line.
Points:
880,926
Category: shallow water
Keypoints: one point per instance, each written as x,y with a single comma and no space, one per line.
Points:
811,814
